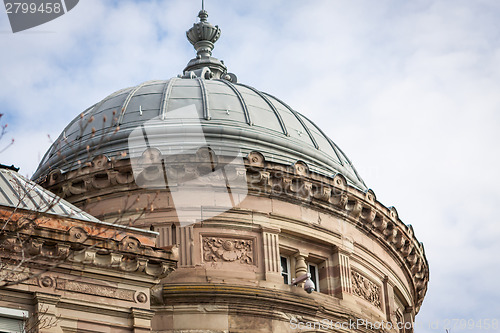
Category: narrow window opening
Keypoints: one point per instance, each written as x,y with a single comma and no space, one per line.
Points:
313,270
174,234
285,270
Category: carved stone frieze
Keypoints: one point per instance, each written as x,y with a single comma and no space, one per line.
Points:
97,290
217,249
61,247
13,273
364,288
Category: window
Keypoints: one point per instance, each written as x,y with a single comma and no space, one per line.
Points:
313,270
12,320
285,270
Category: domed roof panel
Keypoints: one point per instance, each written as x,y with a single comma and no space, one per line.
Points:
324,144
294,127
151,87
232,116
180,93
182,89
223,103
263,112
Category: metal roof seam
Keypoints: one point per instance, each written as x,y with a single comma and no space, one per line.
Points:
241,99
271,105
296,114
164,97
127,101
204,99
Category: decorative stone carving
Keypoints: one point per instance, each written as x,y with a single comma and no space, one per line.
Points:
354,207
393,213
98,290
217,249
368,215
364,288
63,250
370,196
379,223
301,168
34,247
100,173
321,192
340,181
255,158
340,200
77,235
140,297
129,244
46,281
13,273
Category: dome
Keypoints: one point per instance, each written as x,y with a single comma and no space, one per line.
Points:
237,115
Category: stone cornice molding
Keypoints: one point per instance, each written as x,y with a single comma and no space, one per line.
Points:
278,304
58,240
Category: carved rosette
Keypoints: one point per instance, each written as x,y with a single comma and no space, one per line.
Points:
366,289
217,249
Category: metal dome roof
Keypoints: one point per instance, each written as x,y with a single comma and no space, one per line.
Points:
240,116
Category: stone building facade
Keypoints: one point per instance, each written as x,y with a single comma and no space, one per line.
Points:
62,270
251,194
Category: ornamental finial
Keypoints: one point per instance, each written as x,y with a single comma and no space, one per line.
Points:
202,36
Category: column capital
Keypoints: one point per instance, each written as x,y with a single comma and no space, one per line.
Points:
302,254
45,298
269,229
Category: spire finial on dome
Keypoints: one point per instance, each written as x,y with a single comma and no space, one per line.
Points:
203,13
202,36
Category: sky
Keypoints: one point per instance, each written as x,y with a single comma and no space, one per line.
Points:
409,90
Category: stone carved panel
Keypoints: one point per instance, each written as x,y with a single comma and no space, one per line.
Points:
97,290
364,288
220,249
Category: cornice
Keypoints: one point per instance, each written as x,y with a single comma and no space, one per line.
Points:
281,305
49,241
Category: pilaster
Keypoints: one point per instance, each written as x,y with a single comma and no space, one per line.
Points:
272,265
389,300
342,283
141,319
46,314
186,249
